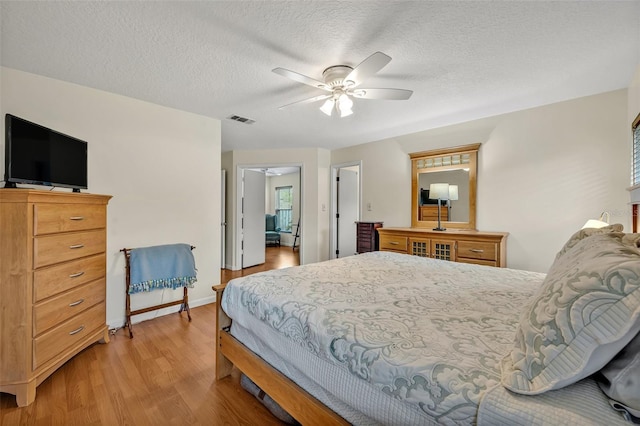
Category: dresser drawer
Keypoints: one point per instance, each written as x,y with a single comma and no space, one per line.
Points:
364,246
52,218
50,249
365,231
477,261
61,308
477,250
393,242
62,277
67,334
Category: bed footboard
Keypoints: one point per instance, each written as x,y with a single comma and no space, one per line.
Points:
223,322
292,398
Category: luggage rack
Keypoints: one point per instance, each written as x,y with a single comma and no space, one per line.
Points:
184,302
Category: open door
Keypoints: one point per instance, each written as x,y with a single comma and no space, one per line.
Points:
253,222
345,208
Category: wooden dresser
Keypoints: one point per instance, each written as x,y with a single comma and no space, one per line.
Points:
367,237
52,283
482,248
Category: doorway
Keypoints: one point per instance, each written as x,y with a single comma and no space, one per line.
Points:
256,198
345,208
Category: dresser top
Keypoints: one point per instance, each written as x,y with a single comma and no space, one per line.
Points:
23,195
451,232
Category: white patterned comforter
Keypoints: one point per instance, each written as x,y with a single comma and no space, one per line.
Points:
427,333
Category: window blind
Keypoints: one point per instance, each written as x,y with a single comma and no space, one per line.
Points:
284,204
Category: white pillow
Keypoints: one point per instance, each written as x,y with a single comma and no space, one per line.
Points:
586,311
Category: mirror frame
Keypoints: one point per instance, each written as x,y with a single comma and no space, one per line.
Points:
418,158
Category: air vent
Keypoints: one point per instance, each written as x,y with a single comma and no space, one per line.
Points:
241,119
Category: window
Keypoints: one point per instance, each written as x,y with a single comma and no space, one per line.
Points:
635,165
284,204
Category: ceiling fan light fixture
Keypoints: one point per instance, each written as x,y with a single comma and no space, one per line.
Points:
327,107
341,81
345,112
345,101
344,105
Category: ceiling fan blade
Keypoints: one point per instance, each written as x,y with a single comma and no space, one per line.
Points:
307,101
389,94
367,68
301,78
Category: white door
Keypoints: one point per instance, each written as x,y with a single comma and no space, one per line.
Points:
253,223
347,208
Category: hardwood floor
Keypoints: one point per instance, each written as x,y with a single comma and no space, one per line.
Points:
275,258
163,376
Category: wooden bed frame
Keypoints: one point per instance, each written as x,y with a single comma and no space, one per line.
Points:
292,398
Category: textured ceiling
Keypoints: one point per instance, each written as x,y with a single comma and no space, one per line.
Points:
463,60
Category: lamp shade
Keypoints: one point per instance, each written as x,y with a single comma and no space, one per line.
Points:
439,191
344,105
453,192
327,107
600,223
593,223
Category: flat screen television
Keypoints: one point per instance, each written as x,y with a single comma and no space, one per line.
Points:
424,198
37,155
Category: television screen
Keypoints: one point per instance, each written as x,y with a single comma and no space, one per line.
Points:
424,198
41,156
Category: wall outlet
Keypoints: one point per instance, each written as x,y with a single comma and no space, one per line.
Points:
369,206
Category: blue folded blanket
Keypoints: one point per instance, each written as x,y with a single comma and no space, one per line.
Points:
166,266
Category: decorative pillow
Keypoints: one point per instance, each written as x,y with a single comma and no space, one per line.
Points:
585,312
620,379
587,232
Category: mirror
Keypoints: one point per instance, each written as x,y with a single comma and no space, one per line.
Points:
455,167
456,210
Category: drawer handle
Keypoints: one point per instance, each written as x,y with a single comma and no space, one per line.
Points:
476,250
76,331
76,218
76,275
76,246
394,243
76,303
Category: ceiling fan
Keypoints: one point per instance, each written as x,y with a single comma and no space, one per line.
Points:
342,82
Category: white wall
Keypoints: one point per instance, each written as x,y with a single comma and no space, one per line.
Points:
162,167
542,172
314,196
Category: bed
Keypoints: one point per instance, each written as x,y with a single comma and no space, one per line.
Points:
388,338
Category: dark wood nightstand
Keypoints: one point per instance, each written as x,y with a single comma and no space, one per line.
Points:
367,236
